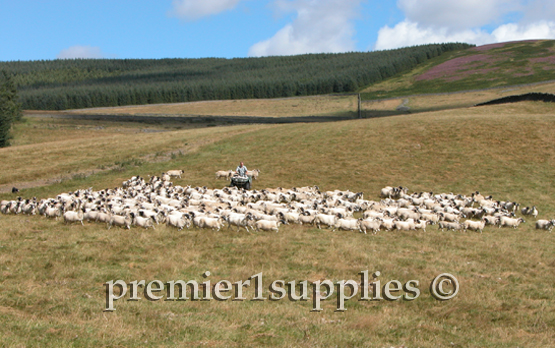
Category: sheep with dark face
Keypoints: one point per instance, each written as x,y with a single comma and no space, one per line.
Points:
530,211
176,173
545,225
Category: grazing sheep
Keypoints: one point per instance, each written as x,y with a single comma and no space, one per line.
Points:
290,217
369,224
421,225
166,177
449,217
91,215
324,219
474,225
388,224
266,225
372,214
176,173
545,225
119,220
306,219
530,211
53,212
491,220
404,225
209,222
449,225
103,217
431,218
506,221
141,221
254,173
239,220
176,220
226,174
73,216
347,225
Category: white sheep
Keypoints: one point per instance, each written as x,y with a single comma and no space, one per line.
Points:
324,219
369,224
254,173
348,225
175,172
545,225
176,220
119,220
266,225
226,174
474,225
506,221
239,220
404,225
141,221
449,225
73,216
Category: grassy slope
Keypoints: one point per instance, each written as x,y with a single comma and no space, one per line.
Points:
512,64
51,275
48,148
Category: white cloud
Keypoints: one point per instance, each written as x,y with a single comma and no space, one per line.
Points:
456,15
194,9
80,52
532,31
320,26
409,33
437,21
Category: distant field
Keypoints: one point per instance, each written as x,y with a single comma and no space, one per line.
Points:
52,275
282,107
321,105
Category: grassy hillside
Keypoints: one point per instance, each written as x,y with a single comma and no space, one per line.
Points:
502,64
85,83
52,275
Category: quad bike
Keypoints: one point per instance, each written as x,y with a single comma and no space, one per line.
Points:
244,182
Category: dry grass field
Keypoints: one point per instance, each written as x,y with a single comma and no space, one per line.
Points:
301,106
52,275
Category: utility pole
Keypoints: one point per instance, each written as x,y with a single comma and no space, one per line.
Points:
359,107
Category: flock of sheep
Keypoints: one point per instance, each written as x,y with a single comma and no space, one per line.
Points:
158,201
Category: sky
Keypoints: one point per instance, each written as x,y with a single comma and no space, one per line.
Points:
64,29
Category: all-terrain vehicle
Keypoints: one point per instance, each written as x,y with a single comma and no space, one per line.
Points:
244,182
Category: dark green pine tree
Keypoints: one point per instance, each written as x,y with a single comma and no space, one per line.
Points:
10,108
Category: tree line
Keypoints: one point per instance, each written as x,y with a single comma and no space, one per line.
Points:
10,108
84,83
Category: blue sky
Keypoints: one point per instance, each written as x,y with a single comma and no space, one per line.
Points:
34,30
